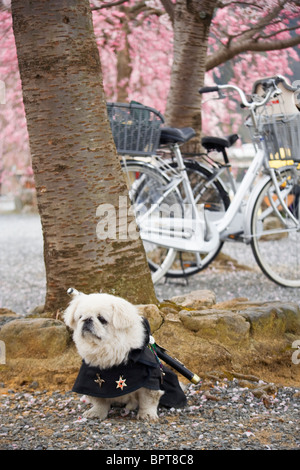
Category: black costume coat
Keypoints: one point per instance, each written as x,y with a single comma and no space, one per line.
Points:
142,369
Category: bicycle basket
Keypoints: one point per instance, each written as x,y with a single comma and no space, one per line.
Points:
281,137
135,128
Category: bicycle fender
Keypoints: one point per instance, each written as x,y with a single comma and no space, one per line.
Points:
196,164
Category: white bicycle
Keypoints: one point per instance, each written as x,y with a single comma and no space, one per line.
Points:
182,206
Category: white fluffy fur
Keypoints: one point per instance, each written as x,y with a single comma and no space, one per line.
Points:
108,343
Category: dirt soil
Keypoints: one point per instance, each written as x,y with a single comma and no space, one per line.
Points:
59,373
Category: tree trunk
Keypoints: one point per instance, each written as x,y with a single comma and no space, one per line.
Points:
74,159
124,68
192,21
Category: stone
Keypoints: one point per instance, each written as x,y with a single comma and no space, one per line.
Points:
7,312
273,319
38,310
171,317
34,338
198,354
152,313
7,315
232,304
224,326
196,299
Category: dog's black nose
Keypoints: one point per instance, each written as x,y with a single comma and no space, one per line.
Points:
87,324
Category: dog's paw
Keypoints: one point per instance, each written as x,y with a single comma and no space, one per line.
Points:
132,405
95,412
147,416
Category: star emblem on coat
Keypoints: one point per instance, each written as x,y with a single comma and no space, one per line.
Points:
121,383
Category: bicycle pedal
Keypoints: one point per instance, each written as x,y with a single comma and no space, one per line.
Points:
235,236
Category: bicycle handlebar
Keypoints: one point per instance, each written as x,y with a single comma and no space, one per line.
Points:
269,85
209,89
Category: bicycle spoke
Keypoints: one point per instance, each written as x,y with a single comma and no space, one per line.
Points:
149,194
207,190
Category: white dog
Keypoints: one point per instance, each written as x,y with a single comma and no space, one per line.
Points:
118,366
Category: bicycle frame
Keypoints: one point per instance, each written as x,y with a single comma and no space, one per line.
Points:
195,233
246,183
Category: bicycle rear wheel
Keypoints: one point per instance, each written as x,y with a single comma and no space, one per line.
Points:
146,184
275,234
214,196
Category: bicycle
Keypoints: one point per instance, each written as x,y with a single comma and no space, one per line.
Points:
170,197
216,196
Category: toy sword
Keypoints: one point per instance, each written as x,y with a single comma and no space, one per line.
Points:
161,353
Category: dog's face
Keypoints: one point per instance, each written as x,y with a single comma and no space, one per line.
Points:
105,328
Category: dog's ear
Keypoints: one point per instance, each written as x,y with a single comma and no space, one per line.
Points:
124,314
71,309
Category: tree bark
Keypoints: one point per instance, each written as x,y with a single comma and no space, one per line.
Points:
124,68
192,21
75,162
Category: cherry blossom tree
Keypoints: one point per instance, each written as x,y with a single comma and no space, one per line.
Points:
135,40
213,32
14,146
244,51
149,53
76,165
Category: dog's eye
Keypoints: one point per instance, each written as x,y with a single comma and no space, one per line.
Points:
102,320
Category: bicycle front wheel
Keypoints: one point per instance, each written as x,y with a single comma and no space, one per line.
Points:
276,231
146,186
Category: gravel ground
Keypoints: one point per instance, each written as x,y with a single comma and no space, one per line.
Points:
222,413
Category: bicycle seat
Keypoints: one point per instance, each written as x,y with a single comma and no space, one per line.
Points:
219,143
173,135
